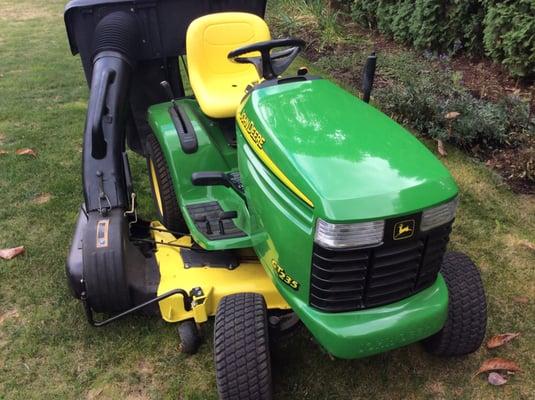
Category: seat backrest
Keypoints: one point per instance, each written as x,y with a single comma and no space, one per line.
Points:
218,83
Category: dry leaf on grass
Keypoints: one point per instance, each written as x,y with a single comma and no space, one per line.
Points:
440,148
500,340
8,314
3,152
521,299
93,394
8,254
527,244
496,379
498,364
42,198
452,115
26,152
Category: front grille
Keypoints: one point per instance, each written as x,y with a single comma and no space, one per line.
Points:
349,280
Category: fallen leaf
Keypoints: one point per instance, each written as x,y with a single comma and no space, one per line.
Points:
93,393
2,152
145,368
521,299
496,379
42,198
452,115
527,244
500,340
8,314
26,152
440,148
498,364
8,254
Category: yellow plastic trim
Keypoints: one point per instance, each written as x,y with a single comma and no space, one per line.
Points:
268,162
214,282
218,83
156,187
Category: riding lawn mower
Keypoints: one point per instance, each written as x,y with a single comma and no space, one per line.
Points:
281,198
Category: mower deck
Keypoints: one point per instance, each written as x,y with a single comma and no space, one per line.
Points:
216,281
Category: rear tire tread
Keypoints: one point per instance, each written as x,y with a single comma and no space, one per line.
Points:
172,217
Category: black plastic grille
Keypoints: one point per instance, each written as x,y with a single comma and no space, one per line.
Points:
349,280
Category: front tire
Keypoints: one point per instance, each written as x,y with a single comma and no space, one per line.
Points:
466,323
241,347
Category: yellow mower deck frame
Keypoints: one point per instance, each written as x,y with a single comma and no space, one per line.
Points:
215,283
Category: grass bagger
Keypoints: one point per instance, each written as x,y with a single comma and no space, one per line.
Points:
281,198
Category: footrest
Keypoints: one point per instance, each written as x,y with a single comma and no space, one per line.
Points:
206,217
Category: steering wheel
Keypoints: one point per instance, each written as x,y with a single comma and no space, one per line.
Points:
269,64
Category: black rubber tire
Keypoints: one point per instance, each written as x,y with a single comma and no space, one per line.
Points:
190,338
170,216
241,347
466,323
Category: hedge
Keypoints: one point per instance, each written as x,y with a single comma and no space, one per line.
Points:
504,30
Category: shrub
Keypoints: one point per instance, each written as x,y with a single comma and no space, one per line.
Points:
505,30
509,34
423,102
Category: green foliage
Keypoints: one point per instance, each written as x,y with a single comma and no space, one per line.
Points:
310,16
509,34
505,30
424,100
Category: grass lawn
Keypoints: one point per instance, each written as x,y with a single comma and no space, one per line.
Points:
47,350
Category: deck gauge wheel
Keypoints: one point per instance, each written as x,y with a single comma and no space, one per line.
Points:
190,337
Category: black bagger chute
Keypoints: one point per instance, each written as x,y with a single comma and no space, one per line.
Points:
162,38
127,49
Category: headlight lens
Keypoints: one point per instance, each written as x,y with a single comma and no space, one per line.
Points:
341,236
439,215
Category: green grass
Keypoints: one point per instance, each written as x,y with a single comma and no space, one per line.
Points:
47,350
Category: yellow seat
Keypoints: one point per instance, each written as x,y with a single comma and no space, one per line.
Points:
219,84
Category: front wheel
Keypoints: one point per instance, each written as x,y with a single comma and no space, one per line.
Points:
466,323
241,347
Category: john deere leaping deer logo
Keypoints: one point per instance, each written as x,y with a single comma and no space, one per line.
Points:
404,229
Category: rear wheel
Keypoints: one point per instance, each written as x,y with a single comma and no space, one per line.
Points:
163,191
466,323
241,346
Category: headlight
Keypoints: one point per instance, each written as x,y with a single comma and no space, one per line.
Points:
439,215
339,236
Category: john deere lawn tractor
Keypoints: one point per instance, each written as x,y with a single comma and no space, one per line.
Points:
281,198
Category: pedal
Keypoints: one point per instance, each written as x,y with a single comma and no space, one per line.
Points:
224,216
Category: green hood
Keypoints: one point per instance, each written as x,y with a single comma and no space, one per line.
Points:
348,158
